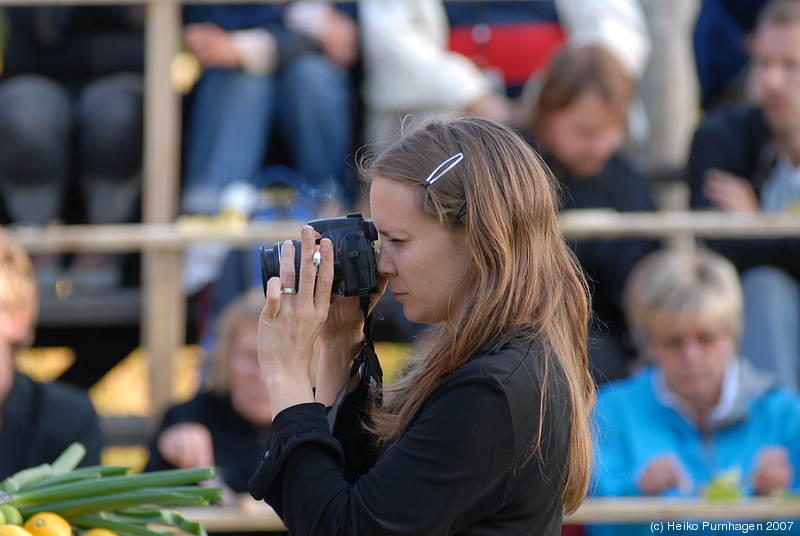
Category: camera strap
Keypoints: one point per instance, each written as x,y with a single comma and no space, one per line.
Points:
368,364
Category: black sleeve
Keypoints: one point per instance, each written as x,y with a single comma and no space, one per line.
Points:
453,458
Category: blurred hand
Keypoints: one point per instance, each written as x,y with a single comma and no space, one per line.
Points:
212,46
662,474
493,107
187,445
729,192
340,39
773,471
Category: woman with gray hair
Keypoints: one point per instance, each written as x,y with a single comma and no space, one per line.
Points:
227,422
697,411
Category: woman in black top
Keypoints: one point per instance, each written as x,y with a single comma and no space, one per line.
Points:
487,431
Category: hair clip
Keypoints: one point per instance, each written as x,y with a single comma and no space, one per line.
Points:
437,173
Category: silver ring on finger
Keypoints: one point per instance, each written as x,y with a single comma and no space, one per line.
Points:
288,290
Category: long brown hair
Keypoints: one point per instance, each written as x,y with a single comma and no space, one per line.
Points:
521,275
574,71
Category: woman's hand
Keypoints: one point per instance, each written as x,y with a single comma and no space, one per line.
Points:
340,343
664,473
186,445
212,46
290,323
773,471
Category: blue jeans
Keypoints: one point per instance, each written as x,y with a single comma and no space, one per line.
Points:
771,335
308,103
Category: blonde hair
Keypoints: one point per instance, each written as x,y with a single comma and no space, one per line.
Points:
243,309
22,295
676,285
521,275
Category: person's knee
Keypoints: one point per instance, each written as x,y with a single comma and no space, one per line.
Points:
35,124
769,280
312,77
110,114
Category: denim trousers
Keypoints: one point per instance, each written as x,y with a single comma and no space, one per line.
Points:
771,334
234,114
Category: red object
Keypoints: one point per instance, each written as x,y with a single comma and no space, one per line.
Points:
572,530
518,50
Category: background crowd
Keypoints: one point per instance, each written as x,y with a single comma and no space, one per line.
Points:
688,347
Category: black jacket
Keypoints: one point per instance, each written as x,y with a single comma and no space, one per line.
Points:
464,465
40,420
736,140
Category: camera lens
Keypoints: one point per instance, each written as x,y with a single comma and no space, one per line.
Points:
271,263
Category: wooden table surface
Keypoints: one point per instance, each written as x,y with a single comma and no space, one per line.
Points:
253,516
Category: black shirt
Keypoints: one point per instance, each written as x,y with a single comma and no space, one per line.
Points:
40,420
464,465
237,443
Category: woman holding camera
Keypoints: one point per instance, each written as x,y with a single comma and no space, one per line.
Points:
487,431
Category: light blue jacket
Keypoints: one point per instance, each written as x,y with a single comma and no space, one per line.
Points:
636,422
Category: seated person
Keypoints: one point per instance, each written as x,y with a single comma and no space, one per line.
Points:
71,120
432,57
38,421
225,426
698,411
578,123
746,159
267,71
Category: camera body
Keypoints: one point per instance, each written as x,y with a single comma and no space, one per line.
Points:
354,269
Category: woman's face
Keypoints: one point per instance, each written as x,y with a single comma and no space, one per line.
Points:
693,355
249,394
584,135
425,263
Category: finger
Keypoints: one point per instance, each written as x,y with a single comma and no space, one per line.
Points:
273,305
287,274
325,274
308,271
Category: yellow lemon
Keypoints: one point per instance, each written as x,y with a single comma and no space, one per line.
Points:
48,524
99,532
13,530
10,514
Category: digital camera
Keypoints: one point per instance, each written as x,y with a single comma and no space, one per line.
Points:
354,267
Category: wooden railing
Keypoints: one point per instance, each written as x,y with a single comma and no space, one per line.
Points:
164,302
163,316
663,515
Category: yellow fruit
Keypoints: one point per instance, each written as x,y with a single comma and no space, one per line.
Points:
13,530
11,514
48,524
99,532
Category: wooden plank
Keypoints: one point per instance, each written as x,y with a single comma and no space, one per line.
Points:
164,315
250,516
583,225
653,509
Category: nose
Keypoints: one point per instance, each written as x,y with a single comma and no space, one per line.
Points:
385,264
691,349
771,76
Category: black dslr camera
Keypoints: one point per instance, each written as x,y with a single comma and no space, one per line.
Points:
355,272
